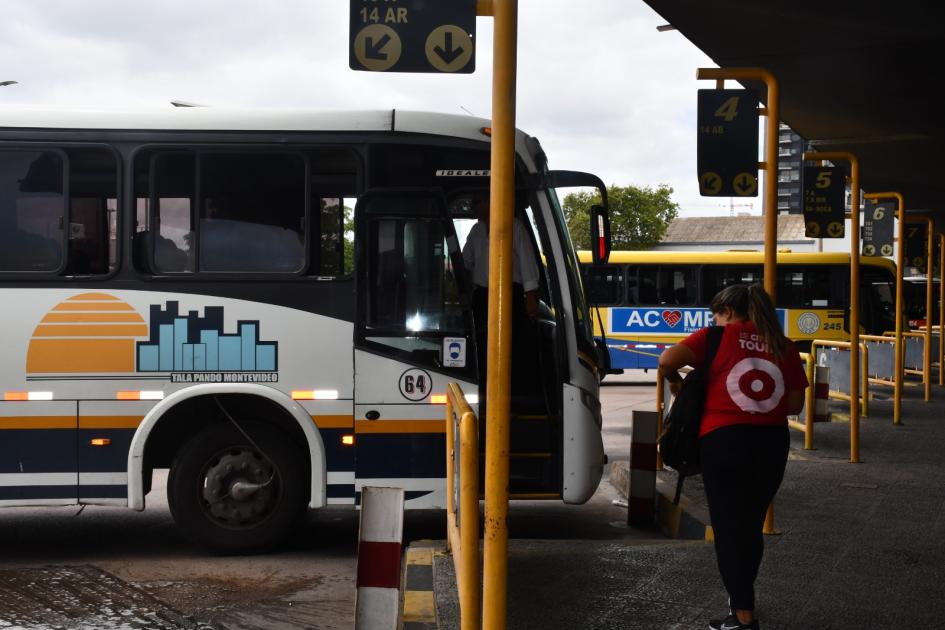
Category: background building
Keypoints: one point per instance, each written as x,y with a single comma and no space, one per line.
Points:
739,232
790,171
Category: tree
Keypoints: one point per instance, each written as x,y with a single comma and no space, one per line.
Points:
349,239
639,217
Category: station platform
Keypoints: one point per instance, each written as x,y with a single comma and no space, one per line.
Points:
858,546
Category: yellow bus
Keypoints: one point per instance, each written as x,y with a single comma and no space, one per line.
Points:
648,300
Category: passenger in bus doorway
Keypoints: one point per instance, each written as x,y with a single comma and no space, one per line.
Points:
756,380
524,287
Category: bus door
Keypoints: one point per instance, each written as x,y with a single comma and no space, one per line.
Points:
413,335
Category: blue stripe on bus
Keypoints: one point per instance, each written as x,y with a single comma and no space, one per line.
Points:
338,457
339,491
37,451
111,458
398,455
103,492
17,493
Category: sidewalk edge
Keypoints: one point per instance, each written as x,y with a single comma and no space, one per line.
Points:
687,520
418,605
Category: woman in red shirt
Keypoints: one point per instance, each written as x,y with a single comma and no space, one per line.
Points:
755,382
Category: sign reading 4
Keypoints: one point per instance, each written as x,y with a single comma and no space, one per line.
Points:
727,143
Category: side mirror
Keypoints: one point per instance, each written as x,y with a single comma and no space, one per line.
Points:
600,235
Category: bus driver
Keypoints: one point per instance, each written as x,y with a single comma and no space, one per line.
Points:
524,282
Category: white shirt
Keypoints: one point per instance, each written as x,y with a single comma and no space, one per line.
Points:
476,256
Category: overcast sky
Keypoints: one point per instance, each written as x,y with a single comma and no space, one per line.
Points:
597,84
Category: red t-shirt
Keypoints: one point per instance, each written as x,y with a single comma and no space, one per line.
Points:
746,384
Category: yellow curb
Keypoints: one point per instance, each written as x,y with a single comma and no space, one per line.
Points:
419,606
423,555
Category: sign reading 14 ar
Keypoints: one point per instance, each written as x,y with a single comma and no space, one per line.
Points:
413,36
727,143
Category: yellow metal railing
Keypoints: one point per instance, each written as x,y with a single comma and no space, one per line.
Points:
926,353
860,405
874,380
463,529
807,427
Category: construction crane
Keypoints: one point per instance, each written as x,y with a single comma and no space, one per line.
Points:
732,205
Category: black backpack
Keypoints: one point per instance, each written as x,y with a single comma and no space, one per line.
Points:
679,441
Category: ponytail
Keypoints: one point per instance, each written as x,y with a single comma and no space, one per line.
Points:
753,302
762,313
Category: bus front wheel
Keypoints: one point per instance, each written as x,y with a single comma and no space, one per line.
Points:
237,491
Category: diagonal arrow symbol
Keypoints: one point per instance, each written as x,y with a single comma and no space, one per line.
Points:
450,54
372,50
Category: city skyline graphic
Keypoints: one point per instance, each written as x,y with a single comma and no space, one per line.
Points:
194,343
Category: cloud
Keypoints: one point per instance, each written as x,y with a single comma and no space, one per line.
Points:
597,84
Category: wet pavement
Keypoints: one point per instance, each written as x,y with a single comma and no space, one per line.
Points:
81,597
859,546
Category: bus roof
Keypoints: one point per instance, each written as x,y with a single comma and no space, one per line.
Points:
226,119
741,257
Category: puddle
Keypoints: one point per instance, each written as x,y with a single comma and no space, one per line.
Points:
79,597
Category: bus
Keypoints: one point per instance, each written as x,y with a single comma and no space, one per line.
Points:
648,300
914,298
270,305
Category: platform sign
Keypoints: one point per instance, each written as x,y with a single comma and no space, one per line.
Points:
917,245
413,36
824,201
878,228
727,143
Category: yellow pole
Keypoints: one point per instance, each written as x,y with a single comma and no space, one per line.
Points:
927,336
900,268
502,196
941,308
469,522
660,392
770,166
809,402
929,275
450,458
854,291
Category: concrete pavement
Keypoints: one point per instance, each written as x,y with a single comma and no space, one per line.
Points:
859,546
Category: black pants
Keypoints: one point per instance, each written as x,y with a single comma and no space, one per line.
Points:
742,468
523,343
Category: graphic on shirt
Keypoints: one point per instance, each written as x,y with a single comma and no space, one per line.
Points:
755,385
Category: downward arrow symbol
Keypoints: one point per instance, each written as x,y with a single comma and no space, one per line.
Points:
744,184
450,54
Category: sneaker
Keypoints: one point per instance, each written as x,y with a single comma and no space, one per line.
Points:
732,623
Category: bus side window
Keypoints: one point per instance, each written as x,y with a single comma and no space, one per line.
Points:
93,211
647,286
604,285
31,210
678,285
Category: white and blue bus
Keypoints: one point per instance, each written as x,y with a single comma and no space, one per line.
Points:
185,290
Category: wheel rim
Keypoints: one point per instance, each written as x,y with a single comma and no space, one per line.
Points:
240,465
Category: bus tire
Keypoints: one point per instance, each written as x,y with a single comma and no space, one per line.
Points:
232,497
